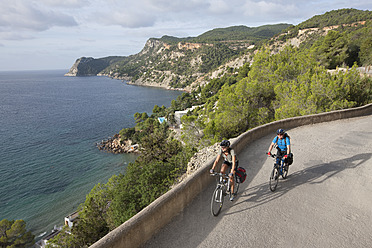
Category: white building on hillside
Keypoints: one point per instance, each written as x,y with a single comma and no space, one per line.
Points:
178,115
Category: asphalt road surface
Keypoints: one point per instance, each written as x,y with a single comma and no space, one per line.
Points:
326,200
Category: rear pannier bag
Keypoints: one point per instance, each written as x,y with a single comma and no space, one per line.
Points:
290,159
240,174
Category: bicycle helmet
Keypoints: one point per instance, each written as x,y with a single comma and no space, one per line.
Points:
225,143
280,131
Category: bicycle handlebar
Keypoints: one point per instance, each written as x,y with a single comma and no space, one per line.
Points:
218,173
275,155
224,176
272,155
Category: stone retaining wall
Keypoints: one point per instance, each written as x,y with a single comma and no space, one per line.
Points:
137,230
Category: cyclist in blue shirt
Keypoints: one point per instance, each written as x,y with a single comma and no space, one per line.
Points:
284,144
230,163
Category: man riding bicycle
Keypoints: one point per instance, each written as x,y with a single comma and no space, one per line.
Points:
284,144
230,162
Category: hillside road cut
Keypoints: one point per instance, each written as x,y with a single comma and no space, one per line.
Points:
326,200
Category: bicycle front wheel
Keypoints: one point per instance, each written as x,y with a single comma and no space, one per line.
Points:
217,201
274,179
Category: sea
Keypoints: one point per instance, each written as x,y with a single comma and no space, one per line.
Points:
49,127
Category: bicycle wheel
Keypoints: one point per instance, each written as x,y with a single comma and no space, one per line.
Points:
285,171
274,179
217,201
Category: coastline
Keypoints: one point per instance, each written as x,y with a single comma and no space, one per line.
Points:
138,82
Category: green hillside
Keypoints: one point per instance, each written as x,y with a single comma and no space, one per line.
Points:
241,33
338,38
336,17
235,33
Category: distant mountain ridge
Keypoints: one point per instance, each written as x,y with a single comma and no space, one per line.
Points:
172,62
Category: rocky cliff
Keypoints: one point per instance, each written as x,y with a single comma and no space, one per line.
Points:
88,66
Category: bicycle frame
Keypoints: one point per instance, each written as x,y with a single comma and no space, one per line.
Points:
221,190
223,181
279,162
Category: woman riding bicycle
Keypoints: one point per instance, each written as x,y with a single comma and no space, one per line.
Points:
230,162
284,144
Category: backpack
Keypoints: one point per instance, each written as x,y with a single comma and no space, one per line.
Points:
240,174
285,139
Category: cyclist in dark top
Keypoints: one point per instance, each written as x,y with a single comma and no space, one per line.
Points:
229,163
284,144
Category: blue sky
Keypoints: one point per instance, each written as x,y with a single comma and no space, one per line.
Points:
52,34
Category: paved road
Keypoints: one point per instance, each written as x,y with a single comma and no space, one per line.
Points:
325,201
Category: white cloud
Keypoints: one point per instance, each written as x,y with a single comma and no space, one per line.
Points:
65,3
270,10
124,18
23,16
63,30
220,7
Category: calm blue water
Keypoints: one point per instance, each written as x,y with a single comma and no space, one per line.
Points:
49,125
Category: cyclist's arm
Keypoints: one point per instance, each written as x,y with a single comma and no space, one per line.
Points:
288,146
233,165
216,161
271,147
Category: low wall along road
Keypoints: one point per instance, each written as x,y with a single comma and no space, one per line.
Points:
324,202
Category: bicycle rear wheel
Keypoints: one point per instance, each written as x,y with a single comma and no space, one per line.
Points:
274,179
217,201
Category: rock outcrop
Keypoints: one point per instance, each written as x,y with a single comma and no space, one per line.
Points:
116,146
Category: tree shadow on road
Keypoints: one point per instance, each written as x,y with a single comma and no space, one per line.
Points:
317,174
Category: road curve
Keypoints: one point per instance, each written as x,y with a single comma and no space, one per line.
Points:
324,202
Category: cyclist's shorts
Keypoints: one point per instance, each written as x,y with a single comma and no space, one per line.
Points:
230,164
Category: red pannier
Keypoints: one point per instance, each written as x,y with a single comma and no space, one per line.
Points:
240,174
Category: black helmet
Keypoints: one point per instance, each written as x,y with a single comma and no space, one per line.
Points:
280,131
225,143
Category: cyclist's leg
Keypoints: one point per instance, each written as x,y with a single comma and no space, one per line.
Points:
232,181
224,168
278,160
